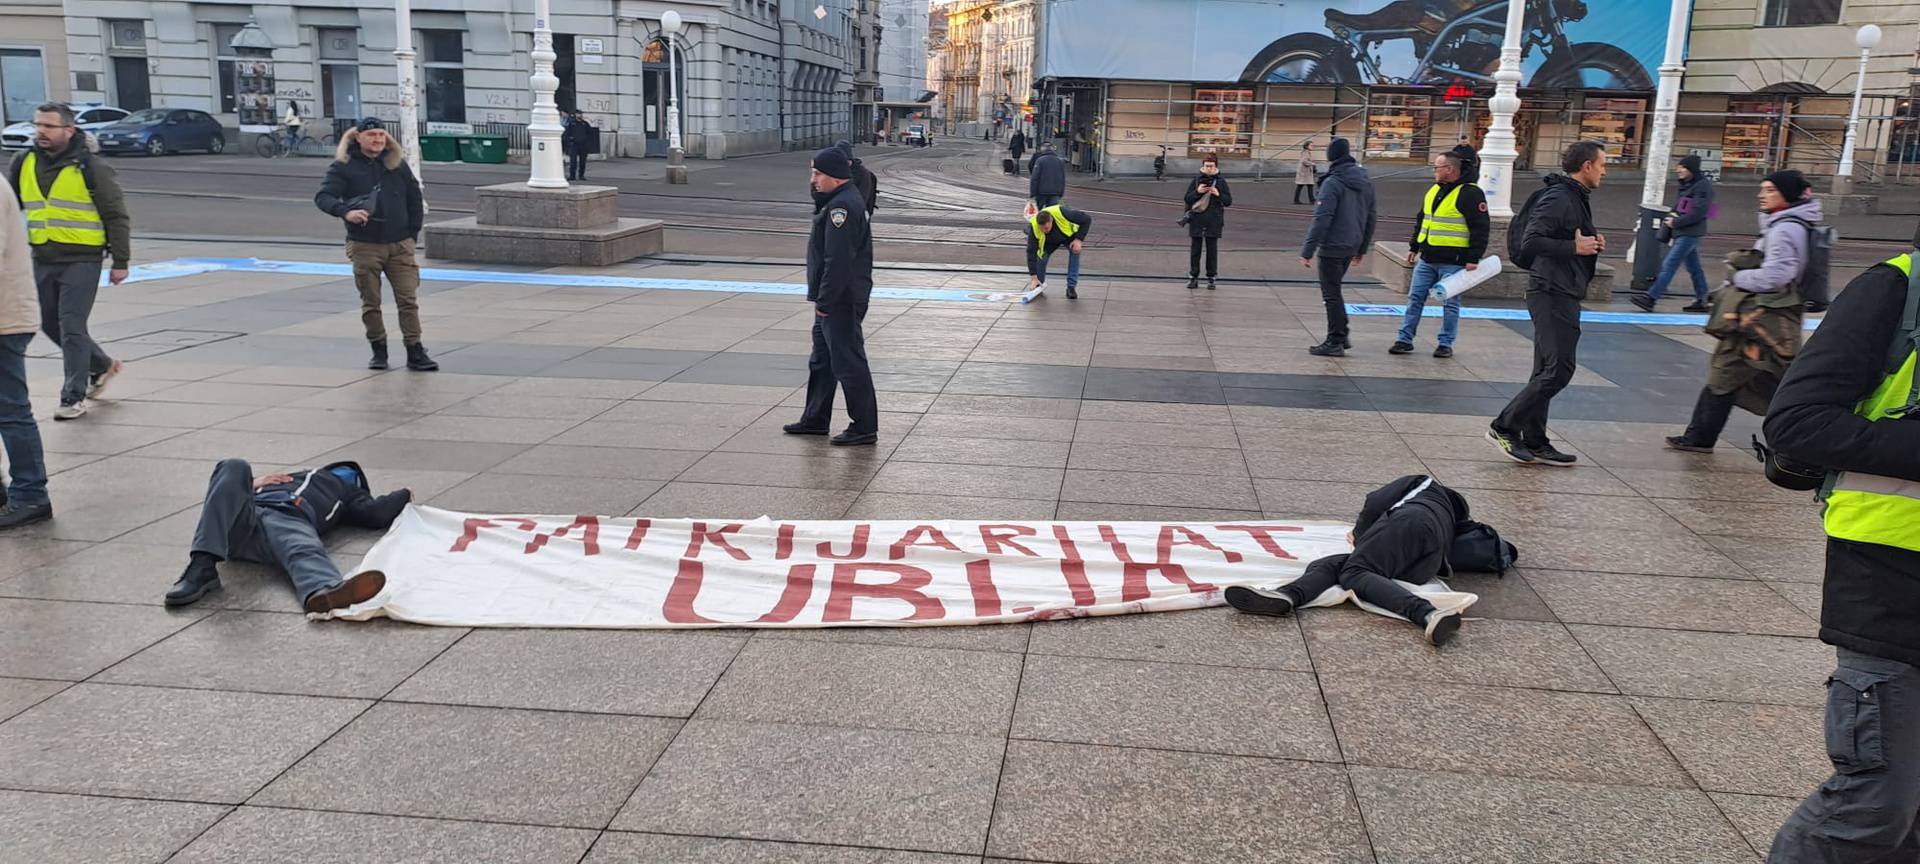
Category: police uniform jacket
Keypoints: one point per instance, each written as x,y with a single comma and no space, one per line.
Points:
840,252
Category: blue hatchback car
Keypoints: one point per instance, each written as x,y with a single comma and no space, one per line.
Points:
159,131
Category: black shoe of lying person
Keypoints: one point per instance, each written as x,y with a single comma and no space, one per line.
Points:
1259,601
199,578
1441,626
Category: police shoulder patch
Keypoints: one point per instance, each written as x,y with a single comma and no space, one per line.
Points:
1483,206
839,216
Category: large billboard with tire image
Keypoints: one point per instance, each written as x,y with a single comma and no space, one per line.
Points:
1566,43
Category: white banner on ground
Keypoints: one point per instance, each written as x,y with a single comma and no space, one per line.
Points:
564,571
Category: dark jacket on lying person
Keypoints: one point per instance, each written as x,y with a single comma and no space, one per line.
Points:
1436,505
333,494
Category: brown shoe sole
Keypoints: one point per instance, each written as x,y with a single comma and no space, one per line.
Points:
358,589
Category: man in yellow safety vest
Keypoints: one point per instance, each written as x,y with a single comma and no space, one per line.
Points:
1049,229
1449,235
76,216
1849,404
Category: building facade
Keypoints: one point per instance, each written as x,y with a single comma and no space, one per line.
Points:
33,58
1768,85
960,65
903,50
753,76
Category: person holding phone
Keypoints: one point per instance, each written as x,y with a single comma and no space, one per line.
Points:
1207,201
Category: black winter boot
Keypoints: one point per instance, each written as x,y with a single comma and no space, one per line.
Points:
418,361
1193,282
379,359
199,578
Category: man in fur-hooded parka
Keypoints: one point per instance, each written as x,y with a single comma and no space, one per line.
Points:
372,191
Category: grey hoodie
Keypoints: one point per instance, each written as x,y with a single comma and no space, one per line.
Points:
1784,243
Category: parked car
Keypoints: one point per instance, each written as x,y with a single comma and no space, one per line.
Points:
159,131
915,135
91,117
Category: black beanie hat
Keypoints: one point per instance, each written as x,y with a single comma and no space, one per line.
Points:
833,163
1691,162
1792,184
1338,149
371,123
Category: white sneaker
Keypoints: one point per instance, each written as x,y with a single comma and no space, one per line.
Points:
100,381
70,412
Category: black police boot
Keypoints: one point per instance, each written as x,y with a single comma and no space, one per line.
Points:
418,361
199,578
379,359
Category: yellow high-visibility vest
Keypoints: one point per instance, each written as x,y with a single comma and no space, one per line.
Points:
1443,225
66,215
1868,508
1067,229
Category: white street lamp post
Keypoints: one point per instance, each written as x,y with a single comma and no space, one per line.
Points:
409,132
676,169
1499,153
1666,108
1649,251
544,131
1867,37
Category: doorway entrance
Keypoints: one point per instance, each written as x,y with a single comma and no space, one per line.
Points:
130,83
654,95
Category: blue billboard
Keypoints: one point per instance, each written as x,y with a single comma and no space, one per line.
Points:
1566,43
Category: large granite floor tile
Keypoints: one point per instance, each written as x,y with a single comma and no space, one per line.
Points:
1541,734
1172,807
19,694
1423,817
1489,651
1775,670
1799,521
721,501
1494,476
1735,747
1312,499
1508,596
79,829
189,745
993,637
1155,412
1162,435
449,762
905,505
1000,426
1775,559
868,686
629,463
1309,465
1006,406
420,454
265,652
1207,709
1670,602
1610,551
621,847
607,671
1805,596
859,787
1174,490
1218,637
764,469
1169,460
1506,509
71,641
1758,817
1707,485
116,572
252,834
495,492
920,447
1086,511
978,481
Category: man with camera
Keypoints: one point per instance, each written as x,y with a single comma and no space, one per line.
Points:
1848,406
370,189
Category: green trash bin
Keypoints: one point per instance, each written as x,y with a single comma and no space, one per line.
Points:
440,148
490,149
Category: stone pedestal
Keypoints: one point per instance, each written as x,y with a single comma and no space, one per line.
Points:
1390,266
518,224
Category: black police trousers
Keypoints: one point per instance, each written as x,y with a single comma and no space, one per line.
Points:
840,356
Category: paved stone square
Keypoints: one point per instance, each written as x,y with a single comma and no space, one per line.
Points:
1645,687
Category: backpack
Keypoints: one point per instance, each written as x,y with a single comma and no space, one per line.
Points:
1477,548
1815,282
868,185
1517,229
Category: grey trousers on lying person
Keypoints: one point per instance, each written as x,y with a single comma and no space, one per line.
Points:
1868,812
233,528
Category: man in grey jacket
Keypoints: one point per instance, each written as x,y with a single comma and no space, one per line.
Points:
1689,224
1342,232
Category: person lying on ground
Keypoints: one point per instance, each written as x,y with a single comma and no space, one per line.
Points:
278,520
1403,534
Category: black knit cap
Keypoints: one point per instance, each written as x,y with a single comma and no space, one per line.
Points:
833,163
1792,184
1691,162
371,123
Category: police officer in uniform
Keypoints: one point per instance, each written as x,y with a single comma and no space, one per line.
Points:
1048,229
1450,236
839,283
1849,404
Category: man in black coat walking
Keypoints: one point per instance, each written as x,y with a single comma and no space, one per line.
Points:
1047,178
1342,232
1563,247
372,191
1839,409
839,284
576,142
1017,147
279,519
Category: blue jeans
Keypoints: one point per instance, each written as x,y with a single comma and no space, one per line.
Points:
1686,250
25,464
1073,268
1424,277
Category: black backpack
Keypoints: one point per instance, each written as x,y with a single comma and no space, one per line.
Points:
1815,282
868,185
1517,230
1477,548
